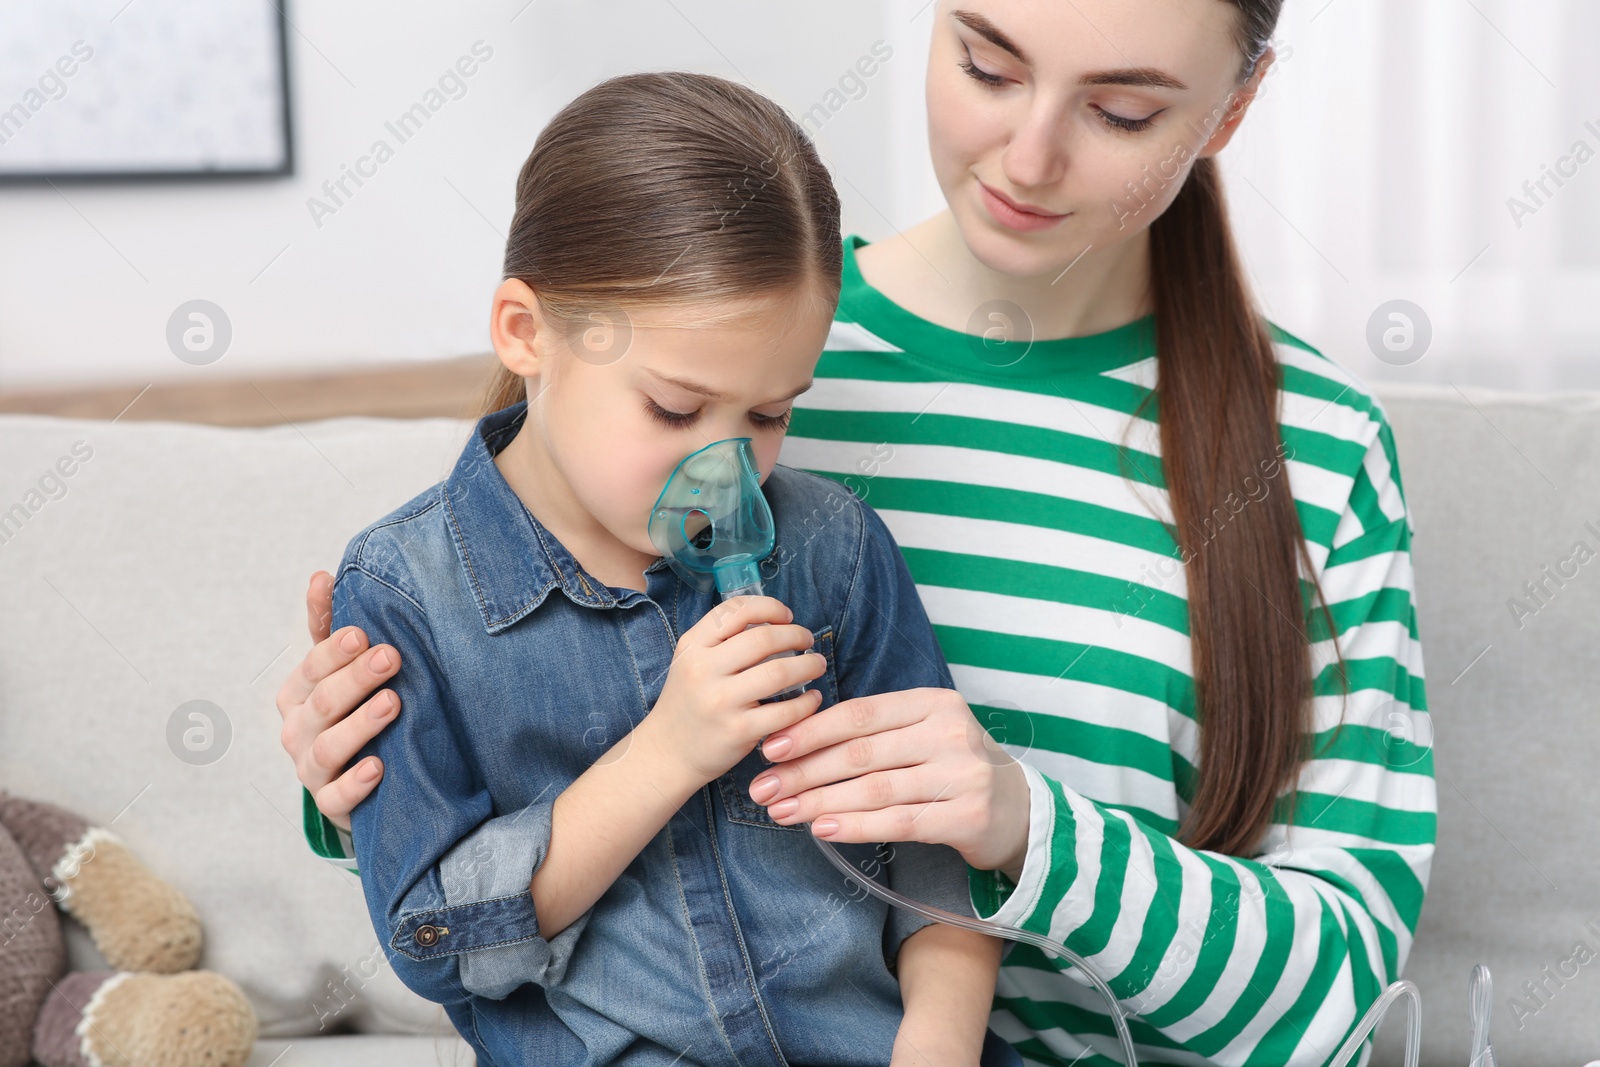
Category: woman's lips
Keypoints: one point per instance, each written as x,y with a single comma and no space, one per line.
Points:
1013,217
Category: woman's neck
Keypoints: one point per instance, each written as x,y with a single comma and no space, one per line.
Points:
527,468
930,271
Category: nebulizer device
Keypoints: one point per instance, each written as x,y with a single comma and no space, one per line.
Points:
714,527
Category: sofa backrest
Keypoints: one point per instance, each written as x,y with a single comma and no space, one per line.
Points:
1505,493
161,563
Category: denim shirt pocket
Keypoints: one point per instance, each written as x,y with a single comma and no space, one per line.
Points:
735,784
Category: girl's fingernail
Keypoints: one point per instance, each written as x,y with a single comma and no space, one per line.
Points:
350,642
382,707
784,808
825,827
368,770
776,749
763,787
380,661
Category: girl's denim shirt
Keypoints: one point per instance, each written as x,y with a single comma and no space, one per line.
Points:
729,939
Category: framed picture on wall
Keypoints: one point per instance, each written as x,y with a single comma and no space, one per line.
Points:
138,89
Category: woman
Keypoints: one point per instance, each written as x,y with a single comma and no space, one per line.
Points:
1143,538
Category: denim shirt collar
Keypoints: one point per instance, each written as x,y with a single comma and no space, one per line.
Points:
511,560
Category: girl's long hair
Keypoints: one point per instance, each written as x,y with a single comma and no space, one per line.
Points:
668,189
1218,388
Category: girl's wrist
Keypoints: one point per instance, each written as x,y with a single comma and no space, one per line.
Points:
661,762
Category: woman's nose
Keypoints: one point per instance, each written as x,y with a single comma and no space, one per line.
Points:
1036,157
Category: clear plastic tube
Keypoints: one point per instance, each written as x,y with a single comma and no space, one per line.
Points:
1086,975
1369,1022
1480,988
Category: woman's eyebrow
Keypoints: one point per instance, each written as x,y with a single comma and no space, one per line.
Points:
981,25
1141,77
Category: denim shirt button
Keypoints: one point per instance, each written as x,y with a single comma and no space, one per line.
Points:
427,936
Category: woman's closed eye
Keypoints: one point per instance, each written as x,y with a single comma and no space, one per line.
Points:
1121,123
681,419
976,72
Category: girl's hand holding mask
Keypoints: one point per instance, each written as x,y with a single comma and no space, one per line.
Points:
709,715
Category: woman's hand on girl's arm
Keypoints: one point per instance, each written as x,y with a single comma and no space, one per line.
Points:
316,699
947,978
912,765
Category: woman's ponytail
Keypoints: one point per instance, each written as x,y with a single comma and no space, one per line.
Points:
1218,380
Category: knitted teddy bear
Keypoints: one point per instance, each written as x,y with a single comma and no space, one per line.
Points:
152,1011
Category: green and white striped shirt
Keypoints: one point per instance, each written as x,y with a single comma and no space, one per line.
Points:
1059,600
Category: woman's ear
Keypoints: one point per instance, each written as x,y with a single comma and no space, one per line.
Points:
518,329
1238,104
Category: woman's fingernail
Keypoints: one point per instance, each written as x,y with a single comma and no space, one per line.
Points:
367,771
824,827
764,787
380,661
779,747
350,642
382,706
784,808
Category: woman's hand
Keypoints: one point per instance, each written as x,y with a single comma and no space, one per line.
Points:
907,766
316,700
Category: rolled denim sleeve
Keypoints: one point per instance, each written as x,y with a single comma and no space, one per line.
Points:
884,644
446,879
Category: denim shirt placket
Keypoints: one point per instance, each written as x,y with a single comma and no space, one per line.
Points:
727,974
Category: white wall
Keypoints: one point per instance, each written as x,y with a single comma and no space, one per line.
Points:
89,274
1376,166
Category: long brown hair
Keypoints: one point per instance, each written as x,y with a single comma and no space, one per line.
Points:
668,189
1218,389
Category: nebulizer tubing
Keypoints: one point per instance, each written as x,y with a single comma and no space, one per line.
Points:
713,526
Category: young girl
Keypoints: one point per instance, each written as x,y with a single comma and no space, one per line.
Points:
571,862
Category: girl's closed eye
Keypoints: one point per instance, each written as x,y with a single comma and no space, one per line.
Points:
681,419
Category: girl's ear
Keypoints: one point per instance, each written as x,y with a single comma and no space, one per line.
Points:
519,330
1238,104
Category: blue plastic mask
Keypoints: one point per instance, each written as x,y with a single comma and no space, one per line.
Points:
712,522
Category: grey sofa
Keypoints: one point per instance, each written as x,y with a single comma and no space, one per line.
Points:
167,568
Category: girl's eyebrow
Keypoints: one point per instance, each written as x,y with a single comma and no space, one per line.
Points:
1141,77
712,394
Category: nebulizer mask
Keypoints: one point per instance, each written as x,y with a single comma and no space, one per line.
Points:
714,527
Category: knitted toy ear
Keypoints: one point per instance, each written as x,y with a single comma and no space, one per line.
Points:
174,1018
137,921
32,955
106,1019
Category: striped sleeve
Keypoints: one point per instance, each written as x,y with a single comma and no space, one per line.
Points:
1270,959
